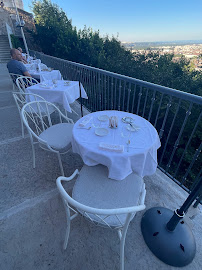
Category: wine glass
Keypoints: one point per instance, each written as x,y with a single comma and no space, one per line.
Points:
96,123
125,133
54,82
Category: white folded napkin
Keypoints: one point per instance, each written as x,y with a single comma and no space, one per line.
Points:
85,121
111,147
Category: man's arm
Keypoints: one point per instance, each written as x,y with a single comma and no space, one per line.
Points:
26,73
24,70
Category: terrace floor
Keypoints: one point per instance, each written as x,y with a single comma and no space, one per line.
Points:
32,218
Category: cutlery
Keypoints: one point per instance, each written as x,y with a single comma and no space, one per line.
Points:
128,143
87,128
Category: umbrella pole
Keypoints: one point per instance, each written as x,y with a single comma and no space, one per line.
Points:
81,99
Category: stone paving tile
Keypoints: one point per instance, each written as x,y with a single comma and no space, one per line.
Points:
6,99
10,123
20,181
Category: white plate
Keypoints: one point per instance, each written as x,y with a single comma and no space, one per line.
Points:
45,86
127,120
101,131
103,118
132,127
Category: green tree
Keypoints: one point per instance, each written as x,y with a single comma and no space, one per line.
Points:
55,32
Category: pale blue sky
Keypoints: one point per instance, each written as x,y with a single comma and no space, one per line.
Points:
134,21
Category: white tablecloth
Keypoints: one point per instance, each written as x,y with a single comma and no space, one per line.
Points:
33,66
61,94
139,157
46,75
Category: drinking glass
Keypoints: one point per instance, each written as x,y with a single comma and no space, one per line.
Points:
96,123
125,133
54,82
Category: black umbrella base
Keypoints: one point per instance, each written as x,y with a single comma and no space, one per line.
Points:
176,248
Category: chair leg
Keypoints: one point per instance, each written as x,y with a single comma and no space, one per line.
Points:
33,152
60,163
34,159
68,217
74,112
67,235
122,245
22,126
123,239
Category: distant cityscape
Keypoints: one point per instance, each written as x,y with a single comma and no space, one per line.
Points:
192,50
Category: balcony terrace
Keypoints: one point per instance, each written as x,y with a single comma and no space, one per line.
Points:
32,218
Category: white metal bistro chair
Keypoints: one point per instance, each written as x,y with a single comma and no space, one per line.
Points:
53,133
14,77
22,98
105,202
23,82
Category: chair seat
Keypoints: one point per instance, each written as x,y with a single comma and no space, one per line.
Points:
93,188
58,136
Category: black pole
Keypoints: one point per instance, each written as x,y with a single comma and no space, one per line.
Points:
198,201
179,213
167,235
80,99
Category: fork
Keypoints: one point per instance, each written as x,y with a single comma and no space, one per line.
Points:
128,143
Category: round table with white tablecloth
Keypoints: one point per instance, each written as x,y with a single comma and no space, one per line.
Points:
64,92
131,147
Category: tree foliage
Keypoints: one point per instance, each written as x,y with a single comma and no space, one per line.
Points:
55,32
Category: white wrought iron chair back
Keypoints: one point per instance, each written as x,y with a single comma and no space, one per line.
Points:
113,218
14,78
53,132
23,82
22,98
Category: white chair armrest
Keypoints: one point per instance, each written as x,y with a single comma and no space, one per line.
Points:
62,178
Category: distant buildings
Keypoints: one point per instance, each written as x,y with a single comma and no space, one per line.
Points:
193,52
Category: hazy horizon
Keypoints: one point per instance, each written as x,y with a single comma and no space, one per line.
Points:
165,41
135,21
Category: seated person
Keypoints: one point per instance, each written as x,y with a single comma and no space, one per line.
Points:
23,57
15,65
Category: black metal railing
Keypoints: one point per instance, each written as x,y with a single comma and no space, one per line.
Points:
175,114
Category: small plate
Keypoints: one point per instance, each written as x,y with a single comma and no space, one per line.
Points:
127,120
103,118
45,86
132,127
101,132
